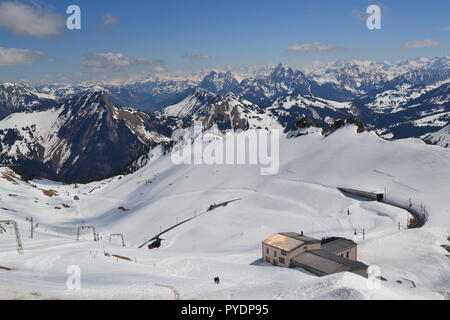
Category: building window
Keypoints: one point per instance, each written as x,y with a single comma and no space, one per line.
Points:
275,253
348,254
275,262
267,250
283,253
342,255
268,260
282,260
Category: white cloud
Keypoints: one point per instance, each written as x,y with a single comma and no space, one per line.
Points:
448,28
30,20
421,44
110,20
111,61
12,56
310,47
196,56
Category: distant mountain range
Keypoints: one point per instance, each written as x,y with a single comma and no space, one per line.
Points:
16,97
91,131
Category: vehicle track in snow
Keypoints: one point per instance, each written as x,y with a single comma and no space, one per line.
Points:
419,219
176,294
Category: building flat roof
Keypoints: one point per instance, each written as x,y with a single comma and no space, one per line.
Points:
323,262
289,241
283,242
336,244
304,239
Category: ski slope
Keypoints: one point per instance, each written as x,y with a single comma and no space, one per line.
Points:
226,242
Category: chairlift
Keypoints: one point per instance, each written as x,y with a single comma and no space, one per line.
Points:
155,244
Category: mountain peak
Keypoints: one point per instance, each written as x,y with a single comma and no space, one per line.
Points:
282,71
219,82
201,92
101,96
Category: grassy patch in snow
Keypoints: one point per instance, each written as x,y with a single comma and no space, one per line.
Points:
49,193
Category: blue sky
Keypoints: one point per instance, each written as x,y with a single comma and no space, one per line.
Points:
156,36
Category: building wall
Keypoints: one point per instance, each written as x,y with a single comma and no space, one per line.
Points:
273,255
350,254
369,195
302,249
280,258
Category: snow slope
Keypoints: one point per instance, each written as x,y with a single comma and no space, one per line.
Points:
442,137
227,241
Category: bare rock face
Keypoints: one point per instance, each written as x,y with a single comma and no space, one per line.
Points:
305,126
344,122
305,122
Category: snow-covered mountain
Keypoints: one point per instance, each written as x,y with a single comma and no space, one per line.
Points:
149,95
289,109
362,77
232,111
18,97
398,99
226,242
441,138
85,138
418,78
407,111
338,81
228,111
220,83
264,89
280,82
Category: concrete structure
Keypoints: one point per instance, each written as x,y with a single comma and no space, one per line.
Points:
377,196
341,247
320,257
